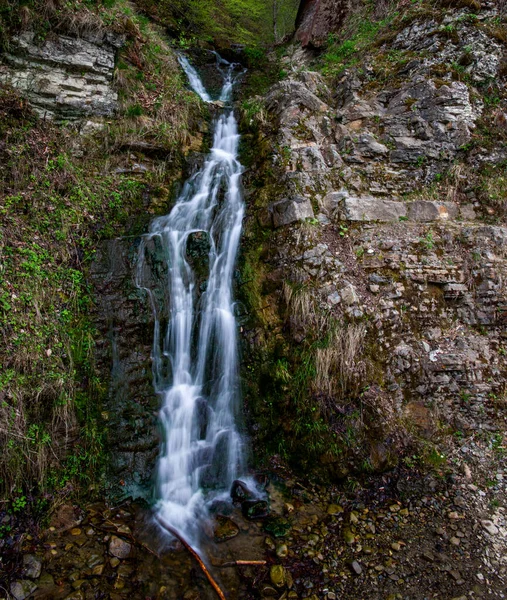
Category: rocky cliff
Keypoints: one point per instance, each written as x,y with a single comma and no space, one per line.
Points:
383,278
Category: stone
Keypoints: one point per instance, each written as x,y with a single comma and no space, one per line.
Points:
426,211
334,509
348,536
356,568
489,526
225,529
64,77
277,576
282,550
291,210
119,548
317,18
22,589
255,509
368,208
368,146
240,492
349,295
32,565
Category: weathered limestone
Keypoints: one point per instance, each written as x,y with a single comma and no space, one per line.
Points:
345,207
65,78
290,210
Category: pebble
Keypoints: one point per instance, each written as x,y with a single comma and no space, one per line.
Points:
277,576
33,566
22,589
119,548
75,531
356,567
455,541
348,536
334,509
489,526
396,546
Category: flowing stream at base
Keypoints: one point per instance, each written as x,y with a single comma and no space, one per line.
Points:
195,354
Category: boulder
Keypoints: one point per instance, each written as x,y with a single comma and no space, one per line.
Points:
425,211
291,210
368,208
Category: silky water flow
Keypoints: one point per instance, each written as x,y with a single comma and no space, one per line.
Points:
195,356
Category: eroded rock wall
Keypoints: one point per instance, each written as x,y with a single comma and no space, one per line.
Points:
316,19
403,245
64,77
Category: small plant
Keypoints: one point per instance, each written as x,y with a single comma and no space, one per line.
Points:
342,230
18,503
465,396
360,252
428,241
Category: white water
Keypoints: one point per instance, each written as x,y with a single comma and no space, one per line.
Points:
195,358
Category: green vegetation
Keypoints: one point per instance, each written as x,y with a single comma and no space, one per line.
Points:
249,22
61,193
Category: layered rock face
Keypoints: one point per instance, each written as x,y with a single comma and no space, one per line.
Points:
64,77
419,264
316,19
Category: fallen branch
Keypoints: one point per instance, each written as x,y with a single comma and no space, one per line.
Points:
243,563
173,532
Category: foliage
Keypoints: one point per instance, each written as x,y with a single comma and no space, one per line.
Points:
60,195
221,22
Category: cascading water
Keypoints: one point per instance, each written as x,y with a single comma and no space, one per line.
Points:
195,358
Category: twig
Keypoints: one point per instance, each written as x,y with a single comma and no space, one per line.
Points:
242,563
173,531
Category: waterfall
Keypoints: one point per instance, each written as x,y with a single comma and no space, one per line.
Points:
195,355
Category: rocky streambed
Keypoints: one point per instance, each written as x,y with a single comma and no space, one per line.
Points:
397,535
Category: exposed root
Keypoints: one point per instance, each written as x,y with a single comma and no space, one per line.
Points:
201,564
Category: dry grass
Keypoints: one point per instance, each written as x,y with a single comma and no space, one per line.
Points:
340,367
456,177
303,310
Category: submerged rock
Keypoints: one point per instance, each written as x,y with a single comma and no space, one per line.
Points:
119,548
277,526
225,529
255,509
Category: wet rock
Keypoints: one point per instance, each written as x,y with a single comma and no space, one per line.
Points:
277,526
282,550
32,565
22,589
119,548
255,509
240,492
278,576
225,529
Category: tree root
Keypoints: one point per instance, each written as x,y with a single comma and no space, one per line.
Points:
194,554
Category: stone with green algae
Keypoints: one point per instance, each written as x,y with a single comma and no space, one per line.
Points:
278,576
277,526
